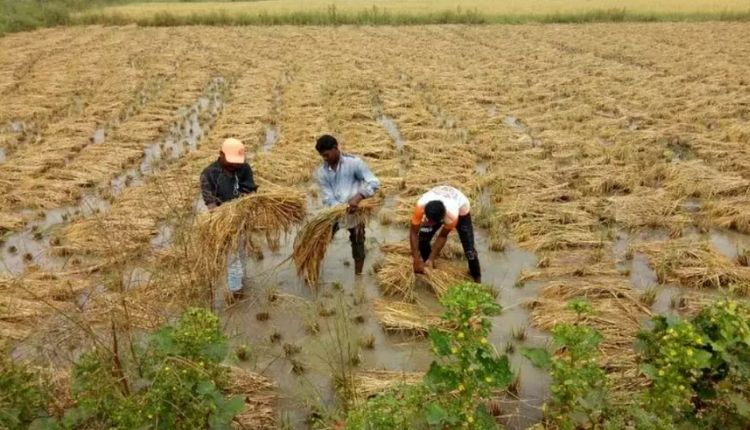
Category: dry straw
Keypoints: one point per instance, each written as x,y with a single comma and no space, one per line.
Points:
405,317
260,400
696,265
396,276
313,238
372,382
238,223
617,315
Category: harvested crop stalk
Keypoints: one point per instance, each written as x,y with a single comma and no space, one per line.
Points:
396,276
371,382
238,222
312,240
405,317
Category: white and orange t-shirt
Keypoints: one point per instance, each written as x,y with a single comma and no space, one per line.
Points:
455,202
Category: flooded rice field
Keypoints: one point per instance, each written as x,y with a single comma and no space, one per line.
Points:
601,161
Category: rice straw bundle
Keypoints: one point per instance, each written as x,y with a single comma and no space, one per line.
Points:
451,251
313,238
222,230
697,265
405,317
260,400
578,263
647,207
396,276
733,214
695,178
371,382
617,315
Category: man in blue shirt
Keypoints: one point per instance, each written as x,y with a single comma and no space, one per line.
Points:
346,179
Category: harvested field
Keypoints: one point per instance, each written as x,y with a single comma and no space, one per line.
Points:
602,161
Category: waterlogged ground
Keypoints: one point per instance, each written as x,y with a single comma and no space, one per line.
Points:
595,156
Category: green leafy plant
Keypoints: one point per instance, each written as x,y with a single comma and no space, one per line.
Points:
699,371
700,368
176,382
579,385
23,395
467,371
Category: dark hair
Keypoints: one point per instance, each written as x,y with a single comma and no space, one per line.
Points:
326,142
435,211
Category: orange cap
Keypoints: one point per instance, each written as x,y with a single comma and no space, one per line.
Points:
234,151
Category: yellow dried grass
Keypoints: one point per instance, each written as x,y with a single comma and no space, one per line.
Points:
237,223
405,317
260,400
372,382
312,240
696,264
396,276
617,314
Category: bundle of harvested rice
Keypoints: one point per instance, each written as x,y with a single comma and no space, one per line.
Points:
371,382
313,238
257,392
405,317
697,179
696,264
733,214
617,315
396,276
240,220
647,207
451,251
579,263
10,222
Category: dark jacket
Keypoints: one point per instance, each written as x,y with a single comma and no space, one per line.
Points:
219,185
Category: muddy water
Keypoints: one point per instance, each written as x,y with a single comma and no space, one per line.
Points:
271,138
31,244
274,288
391,128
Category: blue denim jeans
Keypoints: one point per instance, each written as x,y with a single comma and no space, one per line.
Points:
236,268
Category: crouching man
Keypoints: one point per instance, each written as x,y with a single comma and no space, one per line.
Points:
442,209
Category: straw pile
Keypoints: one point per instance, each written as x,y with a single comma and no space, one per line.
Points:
405,317
733,214
313,238
451,251
371,382
576,264
647,207
696,265
10,222
697,179
260,400
617,315
236,224
396,276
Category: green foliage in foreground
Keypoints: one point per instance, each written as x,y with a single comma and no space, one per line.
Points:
176,381
23,396
699,371
466,371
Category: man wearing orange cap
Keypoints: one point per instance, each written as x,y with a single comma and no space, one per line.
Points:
228,178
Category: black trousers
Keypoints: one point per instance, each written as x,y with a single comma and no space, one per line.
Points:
357,239
465,233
